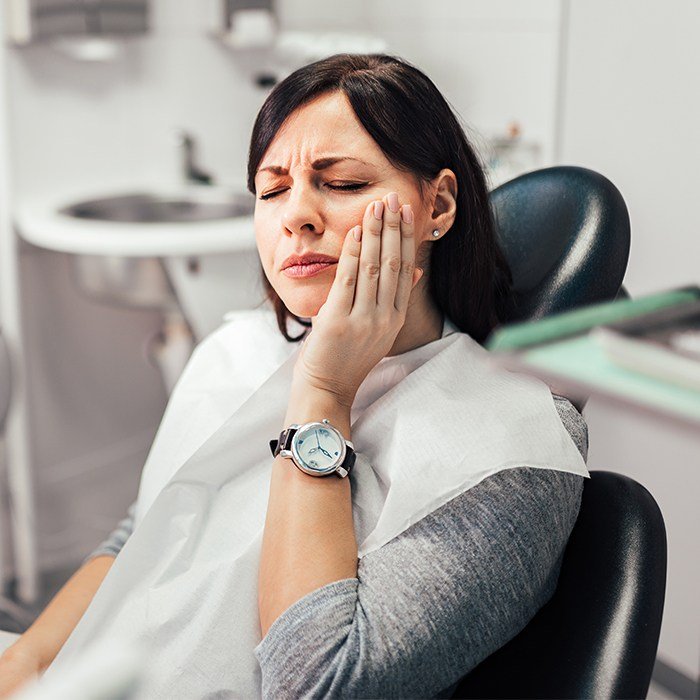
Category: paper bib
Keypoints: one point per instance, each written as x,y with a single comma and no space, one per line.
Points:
186,580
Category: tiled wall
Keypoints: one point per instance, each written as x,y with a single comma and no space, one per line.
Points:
78,125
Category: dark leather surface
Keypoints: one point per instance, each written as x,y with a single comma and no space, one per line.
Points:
597,637
565,231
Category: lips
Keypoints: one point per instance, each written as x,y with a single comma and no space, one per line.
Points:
307,270
307,259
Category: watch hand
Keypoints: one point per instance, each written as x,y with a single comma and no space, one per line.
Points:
316,434
325,453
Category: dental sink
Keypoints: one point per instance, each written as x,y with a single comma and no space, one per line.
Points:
142,221
142,207
139,246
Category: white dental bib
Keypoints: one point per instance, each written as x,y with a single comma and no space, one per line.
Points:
427,425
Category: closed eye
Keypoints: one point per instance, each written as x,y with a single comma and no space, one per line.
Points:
352,186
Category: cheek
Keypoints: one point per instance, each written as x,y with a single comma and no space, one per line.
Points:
342,217
265,243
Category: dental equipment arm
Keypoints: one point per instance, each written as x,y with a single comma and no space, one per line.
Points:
47,634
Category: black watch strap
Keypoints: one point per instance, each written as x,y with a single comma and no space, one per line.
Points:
284,442
349,461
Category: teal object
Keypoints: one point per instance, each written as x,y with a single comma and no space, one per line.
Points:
582,361
577,321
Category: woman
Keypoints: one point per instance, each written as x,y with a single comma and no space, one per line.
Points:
372,220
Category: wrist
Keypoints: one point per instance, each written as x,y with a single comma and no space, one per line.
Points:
23,651
308,404
302,384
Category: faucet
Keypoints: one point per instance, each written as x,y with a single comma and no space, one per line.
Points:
192,172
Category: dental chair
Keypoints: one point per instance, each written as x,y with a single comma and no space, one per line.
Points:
598,634
565,231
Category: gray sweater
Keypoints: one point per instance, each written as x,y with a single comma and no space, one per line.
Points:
432,603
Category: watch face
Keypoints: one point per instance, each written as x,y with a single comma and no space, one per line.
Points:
318,447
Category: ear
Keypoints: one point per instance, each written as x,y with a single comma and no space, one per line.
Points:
443,204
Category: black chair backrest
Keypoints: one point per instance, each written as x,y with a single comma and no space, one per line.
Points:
565,231
597,636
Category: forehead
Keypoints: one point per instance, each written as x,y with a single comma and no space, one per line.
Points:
324,126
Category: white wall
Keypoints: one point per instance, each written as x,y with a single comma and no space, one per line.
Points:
494,60
78,124
94,124
632,110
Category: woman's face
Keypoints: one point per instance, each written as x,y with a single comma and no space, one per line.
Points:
324,169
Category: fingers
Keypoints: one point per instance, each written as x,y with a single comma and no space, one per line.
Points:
341,295
391,254
369,264
387,258
406,278
377,272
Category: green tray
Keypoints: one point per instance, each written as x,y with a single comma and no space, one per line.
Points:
559,350
581,364
577,321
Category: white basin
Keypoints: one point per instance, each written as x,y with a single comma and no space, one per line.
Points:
202,267
142,207
43,222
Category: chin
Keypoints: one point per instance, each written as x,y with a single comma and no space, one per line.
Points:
306,301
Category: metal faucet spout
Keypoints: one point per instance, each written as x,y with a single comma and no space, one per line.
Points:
191,171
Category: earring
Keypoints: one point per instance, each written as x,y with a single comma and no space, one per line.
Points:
436,233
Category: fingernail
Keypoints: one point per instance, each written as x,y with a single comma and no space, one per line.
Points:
393,200
378,210
407,214
357,233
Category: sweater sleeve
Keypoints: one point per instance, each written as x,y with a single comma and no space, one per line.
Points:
114,542
432,603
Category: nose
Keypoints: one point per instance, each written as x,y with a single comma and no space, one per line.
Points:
301,212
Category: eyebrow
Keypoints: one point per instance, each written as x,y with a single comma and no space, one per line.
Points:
318,164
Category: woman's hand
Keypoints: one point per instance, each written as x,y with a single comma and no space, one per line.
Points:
366,306
17,667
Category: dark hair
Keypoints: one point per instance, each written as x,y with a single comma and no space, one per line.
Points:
415,127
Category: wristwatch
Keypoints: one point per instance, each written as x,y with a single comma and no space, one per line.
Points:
317,448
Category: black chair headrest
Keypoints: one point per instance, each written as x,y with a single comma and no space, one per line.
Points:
565,231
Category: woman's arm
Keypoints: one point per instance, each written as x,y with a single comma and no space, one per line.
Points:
429,605
432,603
47,634
309,537
44,638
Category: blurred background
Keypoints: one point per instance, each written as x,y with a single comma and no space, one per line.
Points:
126,229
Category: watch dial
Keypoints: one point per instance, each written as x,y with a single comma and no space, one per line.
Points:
318,447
